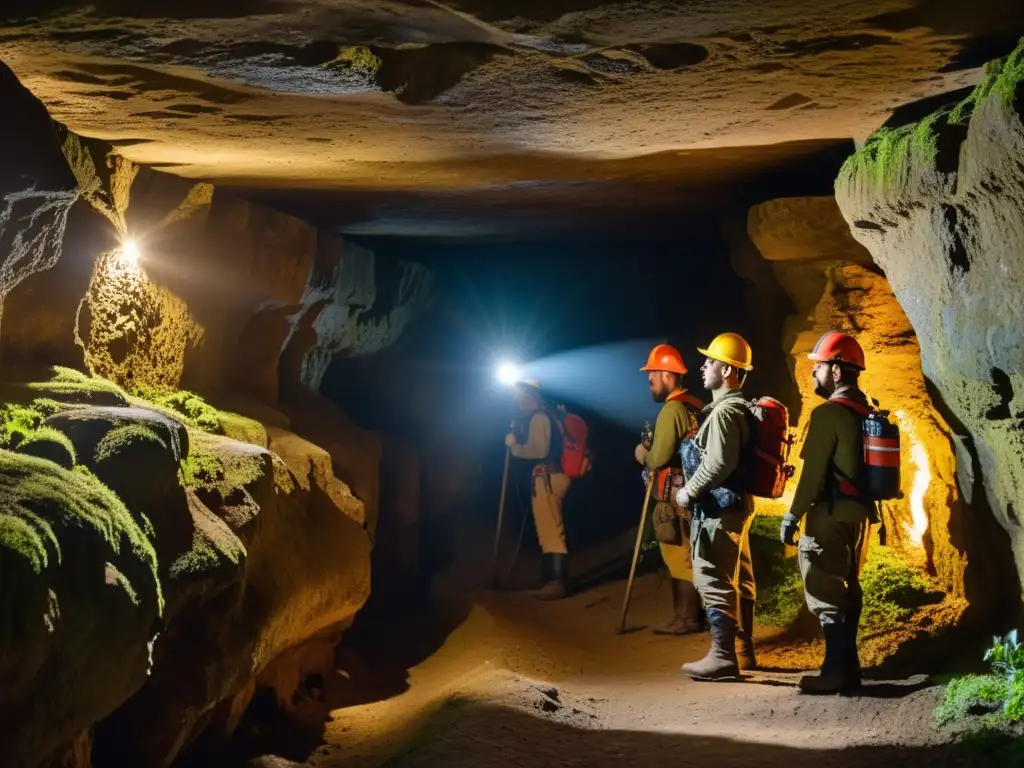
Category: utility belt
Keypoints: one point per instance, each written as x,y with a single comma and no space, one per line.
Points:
666,482
544,471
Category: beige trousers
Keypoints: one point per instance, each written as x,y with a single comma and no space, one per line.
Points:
831,552
722,567
547,511
677,558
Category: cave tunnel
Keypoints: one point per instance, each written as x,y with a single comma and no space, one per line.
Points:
261,263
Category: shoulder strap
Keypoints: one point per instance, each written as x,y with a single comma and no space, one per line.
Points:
847,485
860,408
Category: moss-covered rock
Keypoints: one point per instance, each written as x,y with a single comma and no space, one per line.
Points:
135,451
47,443
79,595
941,226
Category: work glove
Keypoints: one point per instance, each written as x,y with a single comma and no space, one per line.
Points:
683,498
789,530
641,453
510,440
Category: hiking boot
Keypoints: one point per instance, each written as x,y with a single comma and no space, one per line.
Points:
745,636
685,610
834,675
555,587
720,663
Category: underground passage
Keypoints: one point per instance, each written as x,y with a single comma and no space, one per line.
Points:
505,382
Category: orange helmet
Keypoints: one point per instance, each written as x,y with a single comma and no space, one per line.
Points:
835,347
665,358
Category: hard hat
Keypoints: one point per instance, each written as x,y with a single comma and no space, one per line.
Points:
665,358
528,383
731,349
835,347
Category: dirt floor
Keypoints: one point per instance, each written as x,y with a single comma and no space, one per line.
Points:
502,679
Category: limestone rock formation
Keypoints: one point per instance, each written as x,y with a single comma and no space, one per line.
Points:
162,559
359,99
833,284
940,206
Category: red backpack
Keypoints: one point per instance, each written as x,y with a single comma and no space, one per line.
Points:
766,470
880,479
575,459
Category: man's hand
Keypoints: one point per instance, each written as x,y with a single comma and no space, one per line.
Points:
789,530
640,453
510,440
683,499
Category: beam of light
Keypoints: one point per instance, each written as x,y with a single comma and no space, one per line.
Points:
606,380
922,480
130,250
508,373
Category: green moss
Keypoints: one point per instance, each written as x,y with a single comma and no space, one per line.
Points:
992,743
243,429
780,590
357,57
44,508
966,694
1002,77
888,154
68,381
206,469
893,590
199,414
49,435
18,423
124,436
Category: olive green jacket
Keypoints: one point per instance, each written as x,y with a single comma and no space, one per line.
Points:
834,439
721,439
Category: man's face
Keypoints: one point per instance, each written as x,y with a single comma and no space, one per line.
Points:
824,381
662,384
526,399
713,374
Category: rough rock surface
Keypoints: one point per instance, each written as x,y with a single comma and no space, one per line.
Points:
261,548
556,97
940,206
833,284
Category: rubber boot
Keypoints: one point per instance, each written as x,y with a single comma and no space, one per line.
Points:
720,663
856,598
833,675
685,610
555,588
745,636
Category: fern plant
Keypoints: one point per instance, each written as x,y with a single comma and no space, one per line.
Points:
1007,658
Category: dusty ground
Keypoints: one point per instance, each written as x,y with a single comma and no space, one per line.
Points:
518,682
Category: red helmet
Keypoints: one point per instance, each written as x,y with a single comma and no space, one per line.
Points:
665,358
835,347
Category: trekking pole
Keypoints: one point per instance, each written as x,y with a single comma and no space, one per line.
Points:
501,514
636,553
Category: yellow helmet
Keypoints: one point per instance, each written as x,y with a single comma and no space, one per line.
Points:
731,349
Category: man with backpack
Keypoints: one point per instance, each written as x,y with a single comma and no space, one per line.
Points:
722,510
550,483
833,547
677,421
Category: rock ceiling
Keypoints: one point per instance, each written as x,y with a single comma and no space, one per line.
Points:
418,109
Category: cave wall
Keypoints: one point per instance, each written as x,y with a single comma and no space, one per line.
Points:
258,574
802,248
940,206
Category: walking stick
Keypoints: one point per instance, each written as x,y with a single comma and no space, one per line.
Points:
501,515
636,554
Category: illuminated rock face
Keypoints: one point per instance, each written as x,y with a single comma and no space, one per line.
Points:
940,206
158,285
832,283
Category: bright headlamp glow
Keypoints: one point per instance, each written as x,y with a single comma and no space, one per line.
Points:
508,373
131,252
